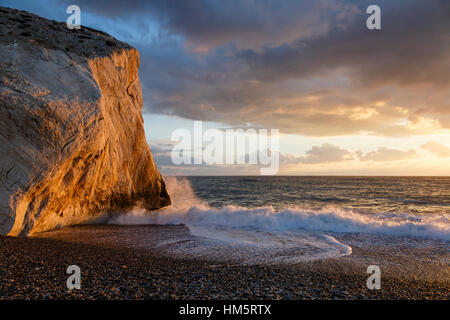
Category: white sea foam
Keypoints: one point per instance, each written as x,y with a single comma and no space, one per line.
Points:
189,210
291,234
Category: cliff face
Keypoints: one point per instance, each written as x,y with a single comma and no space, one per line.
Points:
72,142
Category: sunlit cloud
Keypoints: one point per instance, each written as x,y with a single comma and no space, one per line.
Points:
325,153
315,158
438,149
386,154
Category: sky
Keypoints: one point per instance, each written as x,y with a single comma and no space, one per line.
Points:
346,100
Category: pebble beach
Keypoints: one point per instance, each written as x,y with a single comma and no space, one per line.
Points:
35,268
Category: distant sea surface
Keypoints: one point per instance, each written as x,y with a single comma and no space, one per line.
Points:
412,195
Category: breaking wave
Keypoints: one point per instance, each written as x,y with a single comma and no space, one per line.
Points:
191,211
250,235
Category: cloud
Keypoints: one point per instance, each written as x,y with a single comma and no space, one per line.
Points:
161,152
386,154
436,148
162,149
325,153
329,153
305,67
250,23
348,80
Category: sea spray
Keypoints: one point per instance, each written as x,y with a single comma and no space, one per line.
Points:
189,210
267,236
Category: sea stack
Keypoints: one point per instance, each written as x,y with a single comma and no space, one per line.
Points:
72,142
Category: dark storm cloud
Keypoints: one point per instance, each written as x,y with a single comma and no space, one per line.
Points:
328,79
309,67
412,48
212,22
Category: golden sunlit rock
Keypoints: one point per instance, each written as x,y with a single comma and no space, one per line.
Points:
71,131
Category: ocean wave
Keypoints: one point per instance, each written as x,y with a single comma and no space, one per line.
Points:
187,209
325,220
265,235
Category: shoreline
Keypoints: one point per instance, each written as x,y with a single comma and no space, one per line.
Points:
35,268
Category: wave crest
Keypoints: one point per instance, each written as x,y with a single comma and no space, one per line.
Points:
189,210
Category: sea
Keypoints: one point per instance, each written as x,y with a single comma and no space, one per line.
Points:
293,219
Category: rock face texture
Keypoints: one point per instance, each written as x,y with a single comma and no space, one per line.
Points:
72,142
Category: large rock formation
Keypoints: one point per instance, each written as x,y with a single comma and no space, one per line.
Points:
72,142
